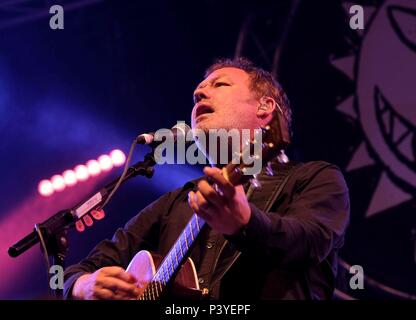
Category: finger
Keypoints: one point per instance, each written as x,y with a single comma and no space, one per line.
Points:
209,193
121,295
107,294
127,277
194,206
217,175
103,294
201,201
119,273
197,202
116,284
191,201
205,216
206,208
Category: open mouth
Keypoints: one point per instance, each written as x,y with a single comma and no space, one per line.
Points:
203,109
397,131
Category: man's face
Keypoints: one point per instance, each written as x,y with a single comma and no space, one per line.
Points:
224,101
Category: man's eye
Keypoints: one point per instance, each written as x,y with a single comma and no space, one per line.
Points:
220,84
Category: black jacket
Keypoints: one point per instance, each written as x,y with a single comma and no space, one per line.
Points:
289,252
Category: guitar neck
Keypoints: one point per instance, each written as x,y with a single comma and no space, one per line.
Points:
174,258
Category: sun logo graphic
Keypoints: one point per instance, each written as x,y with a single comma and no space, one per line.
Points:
384,100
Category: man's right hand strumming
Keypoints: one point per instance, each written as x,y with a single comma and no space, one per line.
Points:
108,283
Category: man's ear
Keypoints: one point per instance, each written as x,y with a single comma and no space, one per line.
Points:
265,108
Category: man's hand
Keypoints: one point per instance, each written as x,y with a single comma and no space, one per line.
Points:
109,283
225,213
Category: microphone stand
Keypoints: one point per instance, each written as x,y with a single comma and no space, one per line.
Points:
53,231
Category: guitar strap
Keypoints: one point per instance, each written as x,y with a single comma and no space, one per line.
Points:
272,186
263,198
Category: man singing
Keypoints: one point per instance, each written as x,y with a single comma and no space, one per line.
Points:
281,242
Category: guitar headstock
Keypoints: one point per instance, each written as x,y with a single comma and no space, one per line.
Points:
268,143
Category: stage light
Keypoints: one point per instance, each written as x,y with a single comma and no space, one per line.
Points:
45,188
105,162
58,182
93,167
70,177
117,157
81,172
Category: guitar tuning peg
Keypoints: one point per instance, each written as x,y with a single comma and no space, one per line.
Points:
98,214
255,183
79,225
88,220
269,170
282,157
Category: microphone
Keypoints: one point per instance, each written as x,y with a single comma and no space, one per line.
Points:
180,130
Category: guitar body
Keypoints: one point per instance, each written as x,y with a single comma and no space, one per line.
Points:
185,284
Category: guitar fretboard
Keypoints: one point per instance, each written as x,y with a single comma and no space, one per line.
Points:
173,259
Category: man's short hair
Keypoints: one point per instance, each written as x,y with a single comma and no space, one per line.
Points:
262,83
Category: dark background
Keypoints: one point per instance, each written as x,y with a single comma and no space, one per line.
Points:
124,67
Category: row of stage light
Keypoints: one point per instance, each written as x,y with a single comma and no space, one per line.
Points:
81,173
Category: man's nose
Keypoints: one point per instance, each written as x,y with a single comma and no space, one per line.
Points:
199,94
